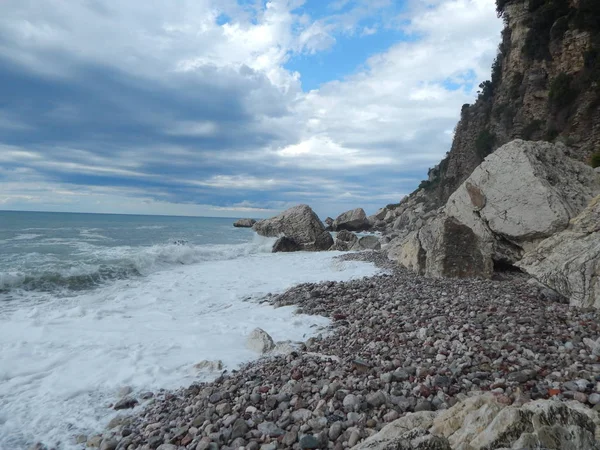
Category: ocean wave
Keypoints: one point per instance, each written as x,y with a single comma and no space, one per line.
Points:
26,237
105,264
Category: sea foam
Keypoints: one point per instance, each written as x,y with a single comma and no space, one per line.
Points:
63,359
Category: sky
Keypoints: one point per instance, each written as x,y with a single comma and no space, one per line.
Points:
232,108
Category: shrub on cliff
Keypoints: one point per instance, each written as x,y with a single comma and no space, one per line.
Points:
561,91
544,13
595,160
484,144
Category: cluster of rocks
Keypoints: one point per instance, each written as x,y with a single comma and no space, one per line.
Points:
299,228
399,344
526,205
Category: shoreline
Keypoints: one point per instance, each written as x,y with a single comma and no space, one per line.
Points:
397,343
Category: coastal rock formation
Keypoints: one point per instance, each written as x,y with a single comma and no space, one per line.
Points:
285,244
485,422
244,223
520,195
260,341
354,220
299,224
328,221
344,241
543,86
369,243
569,262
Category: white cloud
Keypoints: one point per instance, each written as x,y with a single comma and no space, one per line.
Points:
392,115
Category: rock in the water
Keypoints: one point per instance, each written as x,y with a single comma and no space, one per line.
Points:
126,403
286,245
329,221
209,366
354,220
244,223
344,241
300,224
569,262
260,341
369,243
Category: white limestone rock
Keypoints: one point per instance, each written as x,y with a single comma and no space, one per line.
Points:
569,262
260,341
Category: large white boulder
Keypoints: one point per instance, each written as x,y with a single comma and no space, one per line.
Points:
299,225
569,262
521,194
482,422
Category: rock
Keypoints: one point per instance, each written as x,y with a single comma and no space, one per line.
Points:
594,398
239,429
329,221
344,241
354,438
94,441
290,437
124,391
309,441
260,341
109,444
37,446
286,245
376,399
451,249
350,402
209,366
244,223
126,403
390,436
569,262
520,194
167,447
335,431
481,422
382,213
354,220
424,405
369,243
300,224
270,429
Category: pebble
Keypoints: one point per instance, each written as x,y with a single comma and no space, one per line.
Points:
309,441
401,343
594,398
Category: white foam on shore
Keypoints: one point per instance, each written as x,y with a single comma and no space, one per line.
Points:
62,360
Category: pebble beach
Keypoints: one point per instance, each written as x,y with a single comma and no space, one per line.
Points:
397,343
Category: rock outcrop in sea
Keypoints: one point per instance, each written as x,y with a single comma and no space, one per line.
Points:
301,228
244,223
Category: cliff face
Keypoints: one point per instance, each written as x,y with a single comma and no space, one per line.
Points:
545,85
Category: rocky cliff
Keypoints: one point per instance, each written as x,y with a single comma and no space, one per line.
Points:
545,85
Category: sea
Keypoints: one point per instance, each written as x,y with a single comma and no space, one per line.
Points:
93,303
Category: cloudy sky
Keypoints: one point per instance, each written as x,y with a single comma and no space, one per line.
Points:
232,107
